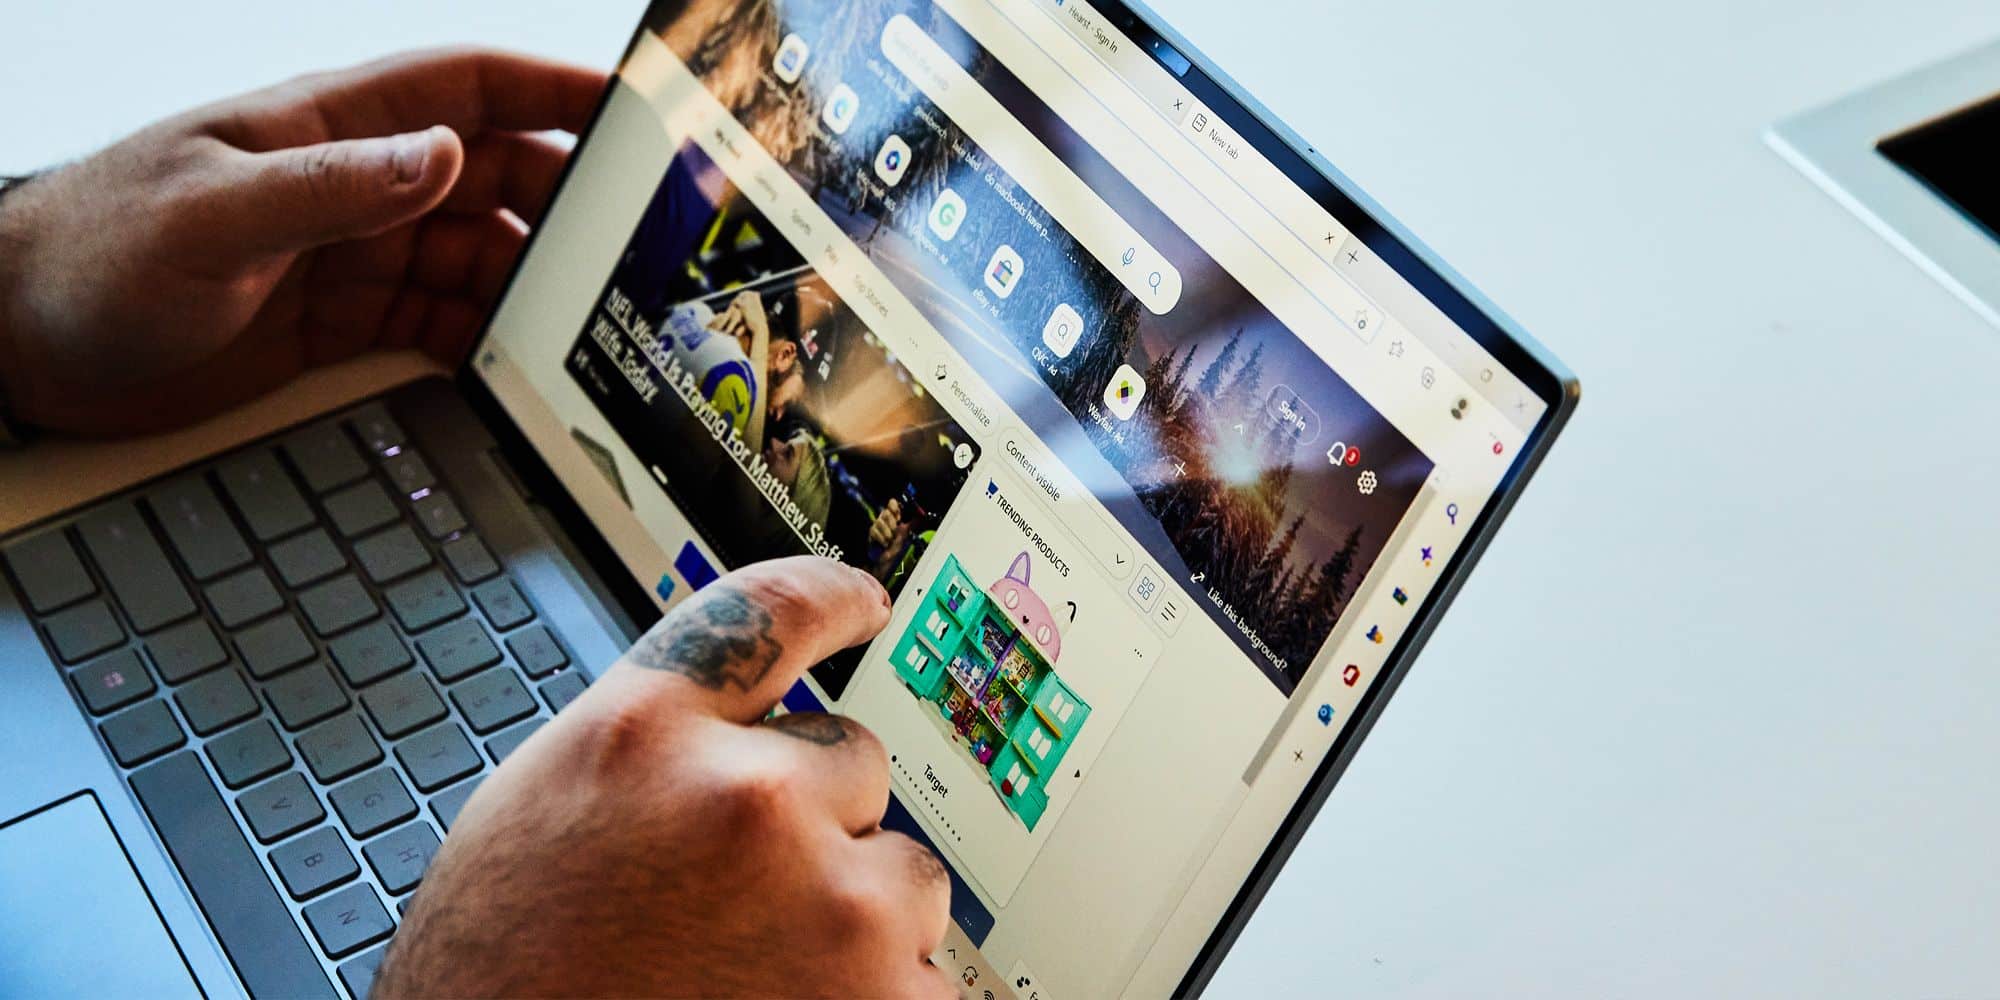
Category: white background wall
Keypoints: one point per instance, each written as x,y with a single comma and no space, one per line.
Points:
1717,714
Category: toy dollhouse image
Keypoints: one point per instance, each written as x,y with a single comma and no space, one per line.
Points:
982,660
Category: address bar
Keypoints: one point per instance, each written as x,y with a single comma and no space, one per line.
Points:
1150,277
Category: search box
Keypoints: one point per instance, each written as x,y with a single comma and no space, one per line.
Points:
1144,272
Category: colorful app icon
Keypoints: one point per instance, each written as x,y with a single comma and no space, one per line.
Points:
893,160
1003,272
1400,596
791,59
1062,329
1427,555
1350,675
841,109
1375,634
947,214
1122,396
1326,715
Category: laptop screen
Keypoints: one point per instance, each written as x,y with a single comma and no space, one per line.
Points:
1157,458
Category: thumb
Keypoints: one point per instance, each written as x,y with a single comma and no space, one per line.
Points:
295,199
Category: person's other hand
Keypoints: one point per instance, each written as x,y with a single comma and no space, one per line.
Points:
211,257
661,838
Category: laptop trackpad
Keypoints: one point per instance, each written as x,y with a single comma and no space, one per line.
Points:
77,921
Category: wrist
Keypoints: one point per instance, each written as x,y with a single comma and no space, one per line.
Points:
16,249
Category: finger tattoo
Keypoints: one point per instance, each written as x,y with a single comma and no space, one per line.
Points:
812,727
720,640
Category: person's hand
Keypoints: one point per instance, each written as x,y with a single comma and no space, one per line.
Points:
744,320
211,257
660,838
882,530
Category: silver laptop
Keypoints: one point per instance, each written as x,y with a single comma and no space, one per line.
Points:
1170,445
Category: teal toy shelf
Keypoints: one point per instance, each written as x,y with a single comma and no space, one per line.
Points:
997,693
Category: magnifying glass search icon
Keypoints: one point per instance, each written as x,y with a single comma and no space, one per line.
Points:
1154,281
1451,511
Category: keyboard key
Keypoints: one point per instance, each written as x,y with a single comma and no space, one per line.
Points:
400,857
227,879
337,605
280,807
305,696
492,699
378,431
324,456
339,747
375,801
537,651
503,746
243,598
393,553
439,515
185,650
309,557
360,508
503,604
437,757
408,471
403,704
349,920
272,646
468,558
134,565
458,650
83,630
208,542
425,600
369,654
140,734
562,689
264,495
446,805
247,753
50,573
218,700
358,973
314,863
112,681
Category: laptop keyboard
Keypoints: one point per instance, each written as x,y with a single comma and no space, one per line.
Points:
305,659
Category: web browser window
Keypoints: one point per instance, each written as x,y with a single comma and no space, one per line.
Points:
959,294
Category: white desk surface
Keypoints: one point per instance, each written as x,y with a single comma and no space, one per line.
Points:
1717,714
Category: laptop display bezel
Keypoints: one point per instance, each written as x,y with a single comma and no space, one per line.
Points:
1499,335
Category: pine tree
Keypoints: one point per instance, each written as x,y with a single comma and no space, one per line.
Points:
1241,394
1210,385
1179,380
1156,375
1331,594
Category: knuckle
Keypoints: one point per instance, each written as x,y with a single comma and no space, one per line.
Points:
618,738
926,868
762,800
318,171
781,595
856,908
867,743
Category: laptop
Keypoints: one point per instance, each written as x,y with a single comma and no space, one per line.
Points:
1169,444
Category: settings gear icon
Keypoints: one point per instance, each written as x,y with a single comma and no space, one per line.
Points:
1368,482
